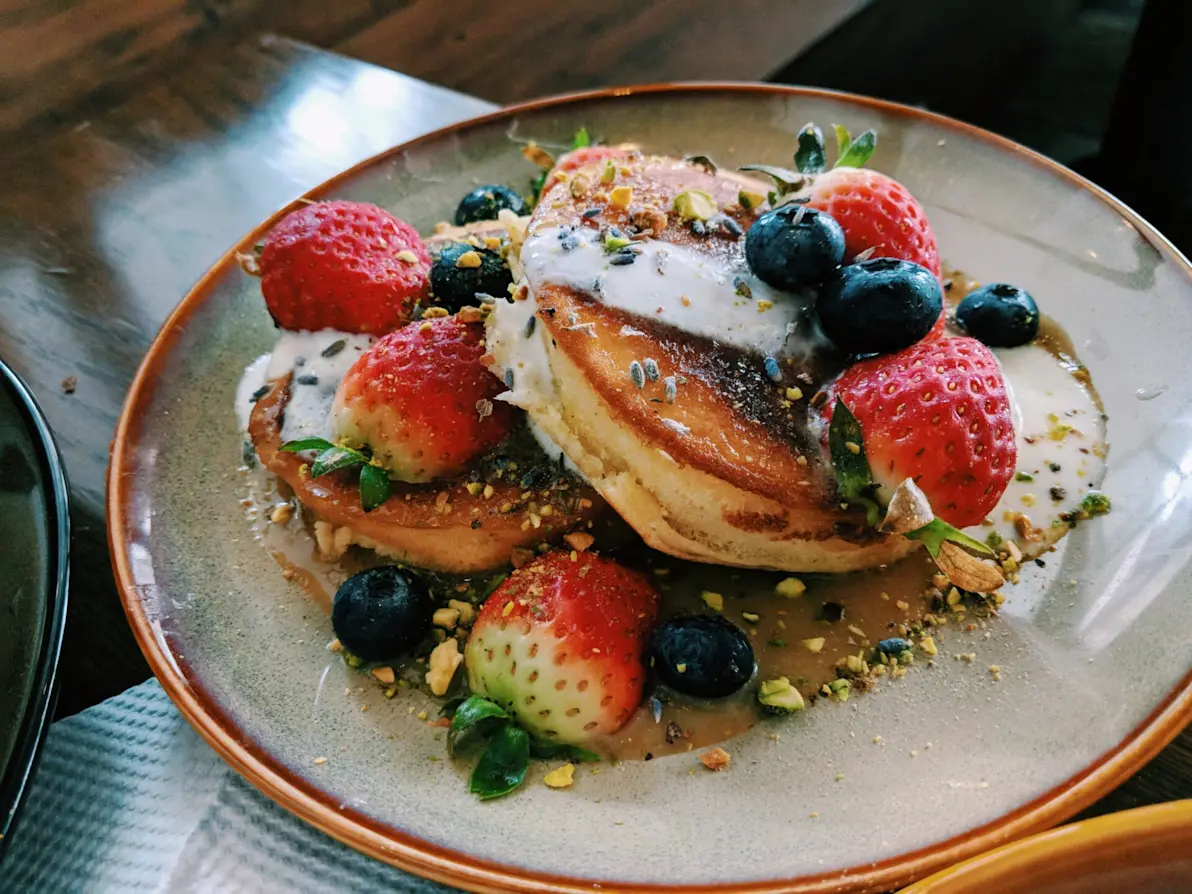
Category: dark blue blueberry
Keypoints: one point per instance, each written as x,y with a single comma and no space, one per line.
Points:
794,246
1000,315
895,645
880,305
381,613
454,287
486,202
702,655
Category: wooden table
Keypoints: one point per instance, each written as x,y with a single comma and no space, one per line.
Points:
107,223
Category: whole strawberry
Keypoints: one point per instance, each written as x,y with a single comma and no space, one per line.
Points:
876,213
560,645
420,399
936,412
349,266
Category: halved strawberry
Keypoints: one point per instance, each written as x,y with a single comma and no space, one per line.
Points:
560,645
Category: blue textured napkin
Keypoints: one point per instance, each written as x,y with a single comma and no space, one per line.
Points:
128,798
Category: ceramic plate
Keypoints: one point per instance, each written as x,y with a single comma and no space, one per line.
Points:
1147,850
33,577
1095,649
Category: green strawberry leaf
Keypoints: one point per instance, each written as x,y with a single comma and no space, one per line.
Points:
843,139
375,487
854,480
581,139
476,714
334,458
502,767
787,180
858,151
547,750
933,534
307,444
809,156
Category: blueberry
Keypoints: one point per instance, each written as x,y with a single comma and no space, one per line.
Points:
486,202
702,655
1000,315
794,246
880,305
454,286
381,613
895,645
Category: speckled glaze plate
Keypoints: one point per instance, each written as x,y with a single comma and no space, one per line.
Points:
1095,650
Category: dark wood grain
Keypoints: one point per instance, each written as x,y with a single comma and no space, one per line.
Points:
107,224
52,53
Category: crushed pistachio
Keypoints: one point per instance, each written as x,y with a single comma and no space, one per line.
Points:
750,200
712,600
839,690
815,644
561,777
695,204
751,617
715,759
779,696
621,196
794,393
790,588
927,644
469,259
447,618
1095,503
1024,476
443,662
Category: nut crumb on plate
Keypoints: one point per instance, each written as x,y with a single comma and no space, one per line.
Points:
715,759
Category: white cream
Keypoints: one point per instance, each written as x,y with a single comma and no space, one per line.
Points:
691,290
1056,424
318,366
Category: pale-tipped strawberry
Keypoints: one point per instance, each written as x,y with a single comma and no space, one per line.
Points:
560,645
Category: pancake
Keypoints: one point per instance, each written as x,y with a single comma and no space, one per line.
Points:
676,382
444,525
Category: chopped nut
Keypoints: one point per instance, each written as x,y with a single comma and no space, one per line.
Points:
621,196
468,259
408,256
319,761
282,513
927,644
562,777
790,588
579,540
794,393
70,384
750,200
447,618
335,646
384,675
695,204
780,696
815,644
331,541
715,759
467,611
751,617
712,600
444,661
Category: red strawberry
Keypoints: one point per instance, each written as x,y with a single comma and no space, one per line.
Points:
561,645
876,212
588,155
343,265
422,401
936,412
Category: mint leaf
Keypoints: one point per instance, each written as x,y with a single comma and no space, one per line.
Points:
334,458
307,444
933,534
843,140
859,151
809,156
581,139
502,767
787,180
536,186
375,487
547,750
475,714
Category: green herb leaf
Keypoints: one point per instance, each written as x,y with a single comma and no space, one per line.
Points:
492,585
306,444
843,140
502,767
787,180
375,487
809,156
475,714
934,533
854,480
859,151
334,458
581,139
547,750
536,186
